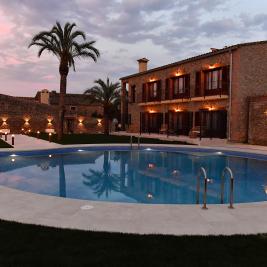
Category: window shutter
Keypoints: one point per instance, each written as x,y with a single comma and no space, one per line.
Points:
144,97
226,78
171,86
167,89
198,84
187,85
159,94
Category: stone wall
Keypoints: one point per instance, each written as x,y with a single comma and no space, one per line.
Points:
257,133
187,68
22,114
249,79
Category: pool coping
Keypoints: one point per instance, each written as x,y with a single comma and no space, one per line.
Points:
31,208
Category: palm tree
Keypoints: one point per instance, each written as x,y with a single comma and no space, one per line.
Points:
102,181
107,95
64,45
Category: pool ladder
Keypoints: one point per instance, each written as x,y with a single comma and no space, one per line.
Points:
138,142
203,173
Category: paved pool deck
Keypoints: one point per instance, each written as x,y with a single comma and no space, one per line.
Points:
25,207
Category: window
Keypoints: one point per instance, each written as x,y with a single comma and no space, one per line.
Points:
214,79
181,85
155,90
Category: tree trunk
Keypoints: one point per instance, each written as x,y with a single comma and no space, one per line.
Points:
106,121
63,70
106,125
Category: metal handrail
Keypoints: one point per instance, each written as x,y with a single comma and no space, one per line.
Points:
202,172
138,140
224,172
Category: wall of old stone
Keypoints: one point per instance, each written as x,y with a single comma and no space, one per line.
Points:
185,68
257,122
22,114
17,114
249,79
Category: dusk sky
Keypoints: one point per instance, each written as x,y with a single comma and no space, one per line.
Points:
125,30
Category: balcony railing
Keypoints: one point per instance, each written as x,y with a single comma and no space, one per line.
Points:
219,91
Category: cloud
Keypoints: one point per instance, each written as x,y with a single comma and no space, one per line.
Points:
125,30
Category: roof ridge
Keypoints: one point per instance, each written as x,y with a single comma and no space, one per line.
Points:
208,54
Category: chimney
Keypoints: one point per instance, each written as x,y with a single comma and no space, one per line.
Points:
142,64
214,49
44,96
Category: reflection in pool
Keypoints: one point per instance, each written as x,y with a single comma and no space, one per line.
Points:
134,176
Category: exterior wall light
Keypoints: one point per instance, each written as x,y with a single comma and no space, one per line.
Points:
151,111
99,122
178,110
178,73
80,121
152,79
49,119
214,66
26,119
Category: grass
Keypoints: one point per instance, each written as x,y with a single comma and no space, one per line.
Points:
28,245
3,144
70,139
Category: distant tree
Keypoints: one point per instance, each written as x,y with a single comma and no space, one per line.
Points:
64,45
107,95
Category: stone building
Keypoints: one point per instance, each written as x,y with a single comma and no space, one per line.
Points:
40,113
218,94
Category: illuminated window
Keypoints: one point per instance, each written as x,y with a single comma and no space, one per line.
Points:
213,79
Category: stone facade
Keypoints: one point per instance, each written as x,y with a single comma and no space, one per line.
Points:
257,121
24,114
246,65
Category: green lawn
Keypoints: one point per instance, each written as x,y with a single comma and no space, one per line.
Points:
3,144
27,245
69,139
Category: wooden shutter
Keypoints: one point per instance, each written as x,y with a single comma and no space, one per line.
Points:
171,92
159,90
198,84
226,78
144,95
167,89
187,85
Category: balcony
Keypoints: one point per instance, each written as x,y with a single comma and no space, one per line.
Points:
218,91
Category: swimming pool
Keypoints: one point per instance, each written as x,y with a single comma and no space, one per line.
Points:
162,175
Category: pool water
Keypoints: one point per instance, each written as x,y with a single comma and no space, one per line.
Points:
134,176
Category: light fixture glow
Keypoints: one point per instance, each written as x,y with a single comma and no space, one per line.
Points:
151,166
178,110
